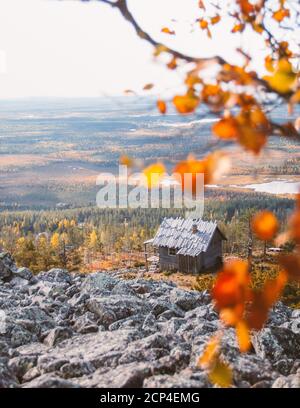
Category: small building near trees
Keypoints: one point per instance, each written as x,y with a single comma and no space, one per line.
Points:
188,245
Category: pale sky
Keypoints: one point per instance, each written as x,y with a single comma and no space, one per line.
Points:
69,48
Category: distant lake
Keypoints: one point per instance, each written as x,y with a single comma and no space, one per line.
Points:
275,187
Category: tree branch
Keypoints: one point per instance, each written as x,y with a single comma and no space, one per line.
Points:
122,6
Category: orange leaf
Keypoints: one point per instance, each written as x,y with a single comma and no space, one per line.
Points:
226,291
238,28
258,28
193,167
258,312
226,128
231,316
265,225
214,96
231,286
212,167
162,107
172,64
192,79
215,19
186,103
243,336
166,30
210,353
264,299
281,14
246,7
284,49
254,128
252,140
203,24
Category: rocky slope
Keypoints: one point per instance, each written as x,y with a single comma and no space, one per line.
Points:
64,330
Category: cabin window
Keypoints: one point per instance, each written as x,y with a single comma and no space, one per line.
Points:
172,251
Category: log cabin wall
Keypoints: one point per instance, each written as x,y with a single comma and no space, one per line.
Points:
213,255
166,261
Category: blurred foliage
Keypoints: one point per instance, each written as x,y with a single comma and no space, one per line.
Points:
262,270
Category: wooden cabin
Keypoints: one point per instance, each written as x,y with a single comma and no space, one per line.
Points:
188,245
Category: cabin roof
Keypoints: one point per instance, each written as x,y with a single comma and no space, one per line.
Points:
178,233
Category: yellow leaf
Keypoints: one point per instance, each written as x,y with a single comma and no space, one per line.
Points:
284,78
221,374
